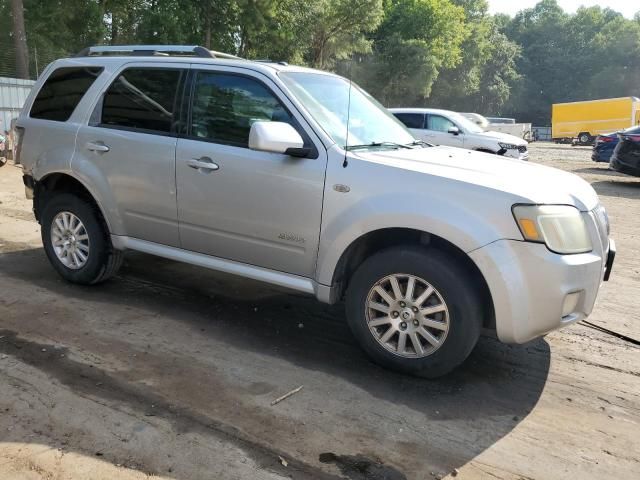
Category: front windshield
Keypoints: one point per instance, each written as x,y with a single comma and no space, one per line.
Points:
465,124
326,98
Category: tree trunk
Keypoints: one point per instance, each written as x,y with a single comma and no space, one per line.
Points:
20,39
114,29
207,27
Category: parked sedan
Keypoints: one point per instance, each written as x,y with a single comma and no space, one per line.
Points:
606,143
444,127
626,156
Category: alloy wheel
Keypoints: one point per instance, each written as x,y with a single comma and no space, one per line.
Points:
70,240
407,315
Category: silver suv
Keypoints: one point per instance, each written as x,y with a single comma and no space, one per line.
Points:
298,178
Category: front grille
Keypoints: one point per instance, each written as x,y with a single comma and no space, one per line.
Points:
522,148
602,222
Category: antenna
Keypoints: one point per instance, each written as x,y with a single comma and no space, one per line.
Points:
346,140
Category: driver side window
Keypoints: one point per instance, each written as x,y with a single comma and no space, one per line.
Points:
440,123
225,106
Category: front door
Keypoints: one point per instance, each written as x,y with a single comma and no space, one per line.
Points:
254,207
130,144
438,128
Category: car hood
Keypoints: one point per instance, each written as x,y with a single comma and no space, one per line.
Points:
527,182
502,137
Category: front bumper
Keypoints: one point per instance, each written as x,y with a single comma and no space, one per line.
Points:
517,154
535,291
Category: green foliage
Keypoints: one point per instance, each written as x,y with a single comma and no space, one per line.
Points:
482,81
439,53
287,33
339,28
415,40
591,54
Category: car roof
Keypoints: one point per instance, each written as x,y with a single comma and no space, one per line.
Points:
421,110
115,61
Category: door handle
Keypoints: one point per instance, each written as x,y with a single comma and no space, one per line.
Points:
97,147
203,164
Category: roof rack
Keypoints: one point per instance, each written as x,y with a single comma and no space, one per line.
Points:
266,60
153,50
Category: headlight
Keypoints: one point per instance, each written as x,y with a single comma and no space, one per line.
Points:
560,227
508,146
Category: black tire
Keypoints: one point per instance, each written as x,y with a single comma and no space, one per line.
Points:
454,283
103,260
584,138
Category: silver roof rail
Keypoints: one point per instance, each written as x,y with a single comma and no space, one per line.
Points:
224,55
153,50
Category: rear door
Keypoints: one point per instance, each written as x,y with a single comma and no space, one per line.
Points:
130,142
415,122
254,207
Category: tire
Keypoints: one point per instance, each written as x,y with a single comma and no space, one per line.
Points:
102,260
584,138
453,286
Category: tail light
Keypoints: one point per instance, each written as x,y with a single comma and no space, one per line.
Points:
604,139
18,135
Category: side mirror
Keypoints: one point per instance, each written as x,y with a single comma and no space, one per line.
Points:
454,131
276,137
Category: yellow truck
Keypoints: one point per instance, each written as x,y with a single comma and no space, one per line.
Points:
585,120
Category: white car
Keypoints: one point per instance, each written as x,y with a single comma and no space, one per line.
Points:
444,127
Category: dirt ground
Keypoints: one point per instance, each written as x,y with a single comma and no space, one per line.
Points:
168,371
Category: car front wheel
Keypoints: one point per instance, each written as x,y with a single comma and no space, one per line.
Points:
415,310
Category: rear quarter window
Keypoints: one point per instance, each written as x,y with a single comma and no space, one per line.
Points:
62,91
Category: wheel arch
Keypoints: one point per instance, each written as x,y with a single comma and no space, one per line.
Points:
53,182
371,242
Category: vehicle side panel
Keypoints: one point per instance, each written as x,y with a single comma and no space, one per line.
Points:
595,117
416,202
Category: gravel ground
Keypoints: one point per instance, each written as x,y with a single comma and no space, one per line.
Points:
169,371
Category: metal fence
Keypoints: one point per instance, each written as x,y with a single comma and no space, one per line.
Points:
39,58
542,134
13,93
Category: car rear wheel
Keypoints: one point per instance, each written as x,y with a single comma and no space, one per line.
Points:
414,310
584,138
76,240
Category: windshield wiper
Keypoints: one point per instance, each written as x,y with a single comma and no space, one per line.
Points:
421,143
377,144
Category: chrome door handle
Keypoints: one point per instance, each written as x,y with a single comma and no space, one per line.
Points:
97,147
203,164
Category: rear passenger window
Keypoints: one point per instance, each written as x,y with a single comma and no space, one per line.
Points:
142,99
411,120
62,91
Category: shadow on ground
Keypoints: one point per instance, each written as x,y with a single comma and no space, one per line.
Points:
624,187
545,146
484,399
601,169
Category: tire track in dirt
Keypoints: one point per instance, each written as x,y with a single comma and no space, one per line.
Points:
90,381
